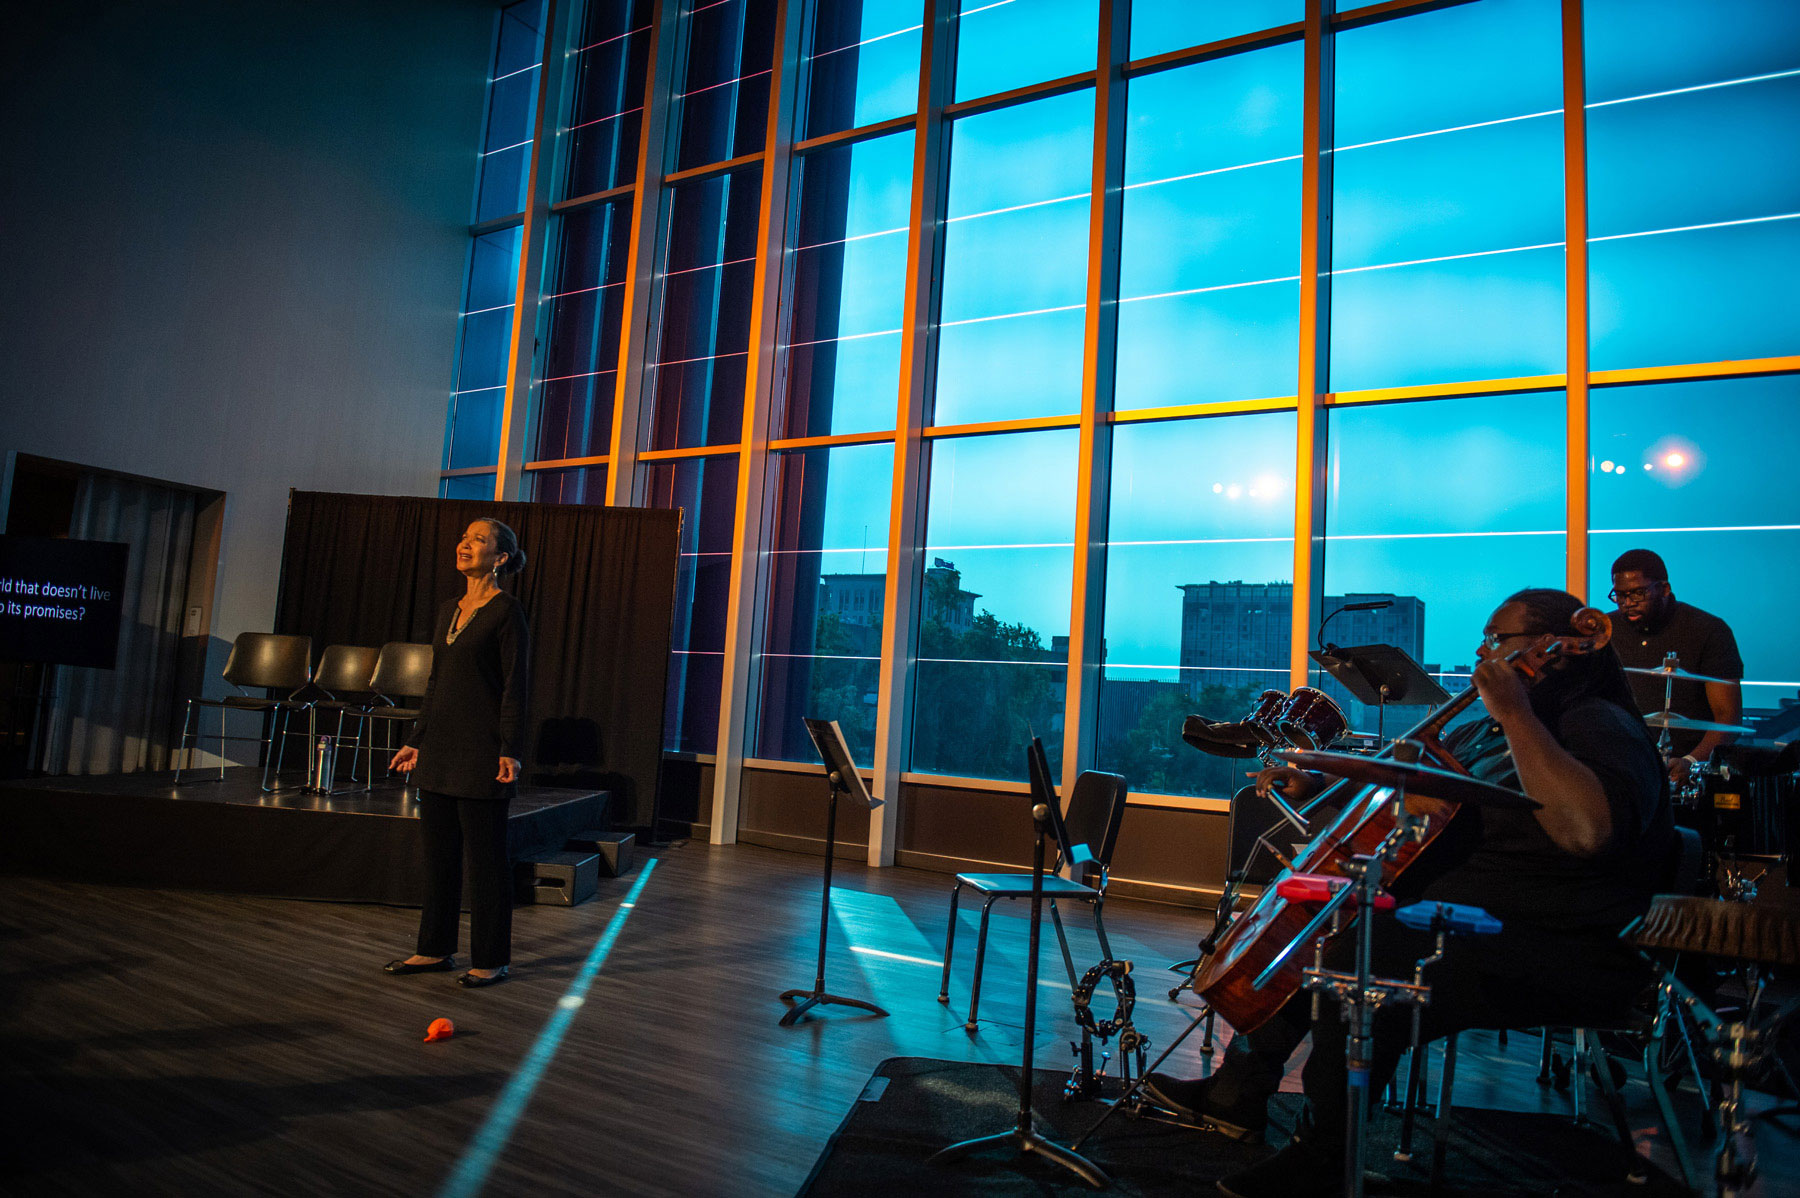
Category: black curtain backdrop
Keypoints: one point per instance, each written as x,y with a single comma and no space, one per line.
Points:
598,590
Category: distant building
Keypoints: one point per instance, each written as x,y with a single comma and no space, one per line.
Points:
1233,632
855,599
859,599
1237,633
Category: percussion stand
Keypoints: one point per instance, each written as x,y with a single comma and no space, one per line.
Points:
1023,1138
1737,1047
1359,992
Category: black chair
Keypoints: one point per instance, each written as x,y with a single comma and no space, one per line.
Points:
402,673
345,678
262,661
1096,808
1588,1058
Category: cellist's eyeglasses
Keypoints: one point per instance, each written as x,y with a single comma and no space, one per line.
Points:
1491,641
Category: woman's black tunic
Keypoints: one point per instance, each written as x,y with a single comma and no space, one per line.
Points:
473,712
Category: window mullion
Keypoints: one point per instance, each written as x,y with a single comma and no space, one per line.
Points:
1310,457
624,487
906,524
522,353
760,379
1087,603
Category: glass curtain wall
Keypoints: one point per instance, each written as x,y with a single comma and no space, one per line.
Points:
877,324
484,327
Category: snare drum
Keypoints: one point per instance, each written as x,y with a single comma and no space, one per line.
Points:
1310,720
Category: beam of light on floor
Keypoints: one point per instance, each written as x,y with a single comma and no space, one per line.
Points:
478,1160
879,923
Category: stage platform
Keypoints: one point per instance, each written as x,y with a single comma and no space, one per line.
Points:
229,837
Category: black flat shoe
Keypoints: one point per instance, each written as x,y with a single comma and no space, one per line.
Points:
475,981
399,965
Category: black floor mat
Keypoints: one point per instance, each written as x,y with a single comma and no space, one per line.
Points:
914,1106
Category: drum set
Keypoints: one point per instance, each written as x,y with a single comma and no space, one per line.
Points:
1738,799
1305,718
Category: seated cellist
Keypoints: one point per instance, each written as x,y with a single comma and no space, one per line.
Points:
1563,879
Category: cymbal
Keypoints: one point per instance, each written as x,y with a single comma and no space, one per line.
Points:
1415,779
1681,723
1675,672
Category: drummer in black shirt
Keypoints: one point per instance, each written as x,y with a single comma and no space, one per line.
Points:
1650,624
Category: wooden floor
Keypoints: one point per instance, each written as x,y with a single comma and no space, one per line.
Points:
158,1042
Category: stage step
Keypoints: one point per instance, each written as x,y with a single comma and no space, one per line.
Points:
616,850
558,879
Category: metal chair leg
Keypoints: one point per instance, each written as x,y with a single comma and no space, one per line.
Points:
1062,941
949,939
980,960
1665,1107
1601,1064
1578,1052
1409,1105
1441,1140
182,755
269,752
1100,927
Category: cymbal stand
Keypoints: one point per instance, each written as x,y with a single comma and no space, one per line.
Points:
1665,742
1024,1139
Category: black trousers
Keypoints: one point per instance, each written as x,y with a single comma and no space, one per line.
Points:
450,826
1520,977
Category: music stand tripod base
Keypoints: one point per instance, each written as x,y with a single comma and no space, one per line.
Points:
1022,1143
818,998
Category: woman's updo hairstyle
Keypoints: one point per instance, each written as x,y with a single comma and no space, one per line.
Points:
507,541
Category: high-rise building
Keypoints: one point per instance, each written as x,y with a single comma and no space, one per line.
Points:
1236,633
1233,633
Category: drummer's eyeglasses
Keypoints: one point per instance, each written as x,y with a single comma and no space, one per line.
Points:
1634,593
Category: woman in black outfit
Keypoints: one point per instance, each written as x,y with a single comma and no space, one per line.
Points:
472,716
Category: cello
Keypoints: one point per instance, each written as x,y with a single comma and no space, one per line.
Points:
1268,932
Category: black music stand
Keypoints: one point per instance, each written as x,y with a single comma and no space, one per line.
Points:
840,768
1046,818
1379,675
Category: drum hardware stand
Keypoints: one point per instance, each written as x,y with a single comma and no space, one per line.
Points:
1132,1101
841,772
1359,992
1024,1138
1736,1047
1085,1081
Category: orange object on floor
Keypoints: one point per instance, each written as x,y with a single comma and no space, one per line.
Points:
440,1029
